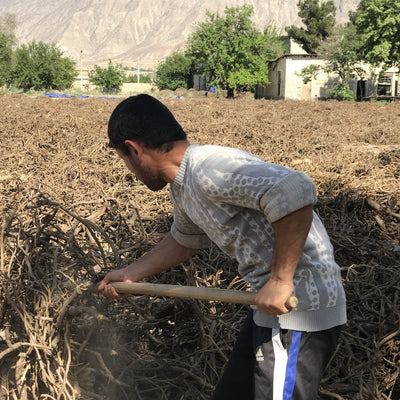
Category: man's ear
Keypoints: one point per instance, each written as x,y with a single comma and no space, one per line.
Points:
134,147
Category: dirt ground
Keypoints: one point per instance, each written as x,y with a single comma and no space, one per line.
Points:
70,212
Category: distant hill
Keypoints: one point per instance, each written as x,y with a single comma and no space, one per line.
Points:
135,31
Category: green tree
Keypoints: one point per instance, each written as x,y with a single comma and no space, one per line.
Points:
231,51
309,73
8,40
342,53
109,79
319,21
23,73
42,66
5,59
8,26
377,23
174,72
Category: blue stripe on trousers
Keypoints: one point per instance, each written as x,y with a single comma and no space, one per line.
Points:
290,377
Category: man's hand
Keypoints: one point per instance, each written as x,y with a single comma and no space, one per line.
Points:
272,297
108,291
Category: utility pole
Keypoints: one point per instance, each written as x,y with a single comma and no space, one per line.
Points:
80,67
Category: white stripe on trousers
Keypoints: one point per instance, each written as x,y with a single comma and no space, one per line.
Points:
281,358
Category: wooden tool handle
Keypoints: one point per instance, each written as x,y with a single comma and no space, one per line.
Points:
193,292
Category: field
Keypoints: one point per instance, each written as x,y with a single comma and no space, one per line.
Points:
70,212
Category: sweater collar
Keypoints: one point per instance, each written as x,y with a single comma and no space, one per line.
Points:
182,168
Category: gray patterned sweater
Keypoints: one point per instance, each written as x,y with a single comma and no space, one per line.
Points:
231,197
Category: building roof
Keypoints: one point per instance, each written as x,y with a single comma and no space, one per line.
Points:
299,56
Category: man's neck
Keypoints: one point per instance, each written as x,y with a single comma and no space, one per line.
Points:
170,162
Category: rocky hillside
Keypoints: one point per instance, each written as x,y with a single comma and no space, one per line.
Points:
134,31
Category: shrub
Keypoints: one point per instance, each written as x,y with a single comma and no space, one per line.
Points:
108,79
174,72
341,92
42,66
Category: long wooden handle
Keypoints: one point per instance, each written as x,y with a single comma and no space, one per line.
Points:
193,292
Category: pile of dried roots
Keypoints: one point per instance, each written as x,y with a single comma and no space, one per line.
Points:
70,212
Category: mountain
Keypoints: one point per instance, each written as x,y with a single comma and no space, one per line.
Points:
135,31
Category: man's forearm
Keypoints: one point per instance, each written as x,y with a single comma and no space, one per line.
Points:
164,255
291,234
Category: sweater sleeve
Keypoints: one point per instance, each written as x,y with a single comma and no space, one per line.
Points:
187,234
296,190
248,182
184,231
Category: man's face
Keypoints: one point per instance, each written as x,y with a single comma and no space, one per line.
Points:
147,174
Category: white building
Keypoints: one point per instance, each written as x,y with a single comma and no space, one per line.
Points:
286,81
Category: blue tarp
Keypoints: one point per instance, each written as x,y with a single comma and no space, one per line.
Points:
68,96
108,98
58,95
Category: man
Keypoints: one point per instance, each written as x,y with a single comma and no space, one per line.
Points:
261,214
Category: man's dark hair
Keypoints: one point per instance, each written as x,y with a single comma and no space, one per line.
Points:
144,119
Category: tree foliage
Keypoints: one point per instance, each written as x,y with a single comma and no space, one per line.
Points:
42,66
5,59
342,53
109,79
7,42
231,51
341,92
319,21
8,26
377,22
32,66
174,72
309,73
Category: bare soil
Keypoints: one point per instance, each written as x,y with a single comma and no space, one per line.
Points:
70,212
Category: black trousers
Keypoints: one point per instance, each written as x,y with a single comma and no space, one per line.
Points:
268,364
